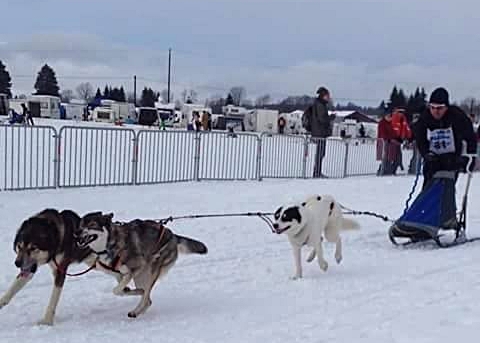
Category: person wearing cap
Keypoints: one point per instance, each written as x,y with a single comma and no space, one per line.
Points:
319,123
439,132
386,145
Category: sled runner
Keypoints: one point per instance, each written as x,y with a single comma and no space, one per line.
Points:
433,214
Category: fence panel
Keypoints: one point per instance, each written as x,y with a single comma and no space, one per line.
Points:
28,157
165,156
325,158
361,157
282,156
228,156
95,156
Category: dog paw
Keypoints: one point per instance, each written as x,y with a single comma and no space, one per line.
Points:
323,265
311,257
338,258
3,303
119,291
45,321
295,277
132,314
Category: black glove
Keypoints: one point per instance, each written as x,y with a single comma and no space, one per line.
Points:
431,157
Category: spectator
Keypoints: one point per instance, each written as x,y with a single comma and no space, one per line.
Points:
319,123
387,146
281,125
27,115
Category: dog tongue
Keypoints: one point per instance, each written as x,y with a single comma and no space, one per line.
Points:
24,273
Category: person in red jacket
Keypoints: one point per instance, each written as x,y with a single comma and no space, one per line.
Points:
387,146
402,132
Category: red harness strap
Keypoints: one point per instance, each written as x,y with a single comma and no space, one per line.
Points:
62,268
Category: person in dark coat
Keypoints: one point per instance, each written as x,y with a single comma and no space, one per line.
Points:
439,132
27,115
319,124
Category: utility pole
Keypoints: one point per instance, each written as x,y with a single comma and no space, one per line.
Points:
169,68
135,90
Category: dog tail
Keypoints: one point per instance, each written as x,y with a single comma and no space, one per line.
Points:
190,246
350,224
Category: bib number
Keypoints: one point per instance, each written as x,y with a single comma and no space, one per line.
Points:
441,141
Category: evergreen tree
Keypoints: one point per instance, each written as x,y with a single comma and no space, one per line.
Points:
121,95
149,97
5,81
402,99
393,98
46,83
114,93
98,95
106,92
229,100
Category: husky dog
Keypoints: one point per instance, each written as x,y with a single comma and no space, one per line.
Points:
142,250
308,223
47,238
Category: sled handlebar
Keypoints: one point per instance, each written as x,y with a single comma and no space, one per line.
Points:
471,159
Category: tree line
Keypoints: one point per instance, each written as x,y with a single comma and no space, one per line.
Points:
46,84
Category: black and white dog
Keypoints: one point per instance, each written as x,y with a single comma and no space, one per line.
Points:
309,223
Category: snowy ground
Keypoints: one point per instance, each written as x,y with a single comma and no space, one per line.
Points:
241,291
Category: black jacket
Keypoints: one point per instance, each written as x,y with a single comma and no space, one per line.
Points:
455,118
316,119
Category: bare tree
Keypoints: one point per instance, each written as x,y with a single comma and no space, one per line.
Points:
471,106
239,93
66,95
263,100
189,95
85,91
164,96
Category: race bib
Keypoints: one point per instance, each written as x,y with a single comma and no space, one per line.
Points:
441,141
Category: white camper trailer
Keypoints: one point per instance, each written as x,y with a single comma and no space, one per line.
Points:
147,116
111,111
260,120
45,106
168,114
73,111
103,114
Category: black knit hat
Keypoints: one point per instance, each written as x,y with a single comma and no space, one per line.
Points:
322,91
439,96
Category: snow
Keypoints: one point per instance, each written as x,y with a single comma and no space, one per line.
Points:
240,291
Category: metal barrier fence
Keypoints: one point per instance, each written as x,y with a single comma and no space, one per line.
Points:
165,156
29,157
95,156
227,156
38,157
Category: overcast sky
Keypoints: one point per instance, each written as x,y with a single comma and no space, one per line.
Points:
357,48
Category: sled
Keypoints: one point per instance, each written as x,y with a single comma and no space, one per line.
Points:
433,214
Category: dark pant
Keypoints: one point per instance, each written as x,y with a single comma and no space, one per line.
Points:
30,120
319,154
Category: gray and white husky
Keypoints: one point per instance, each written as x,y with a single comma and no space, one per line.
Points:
142,250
